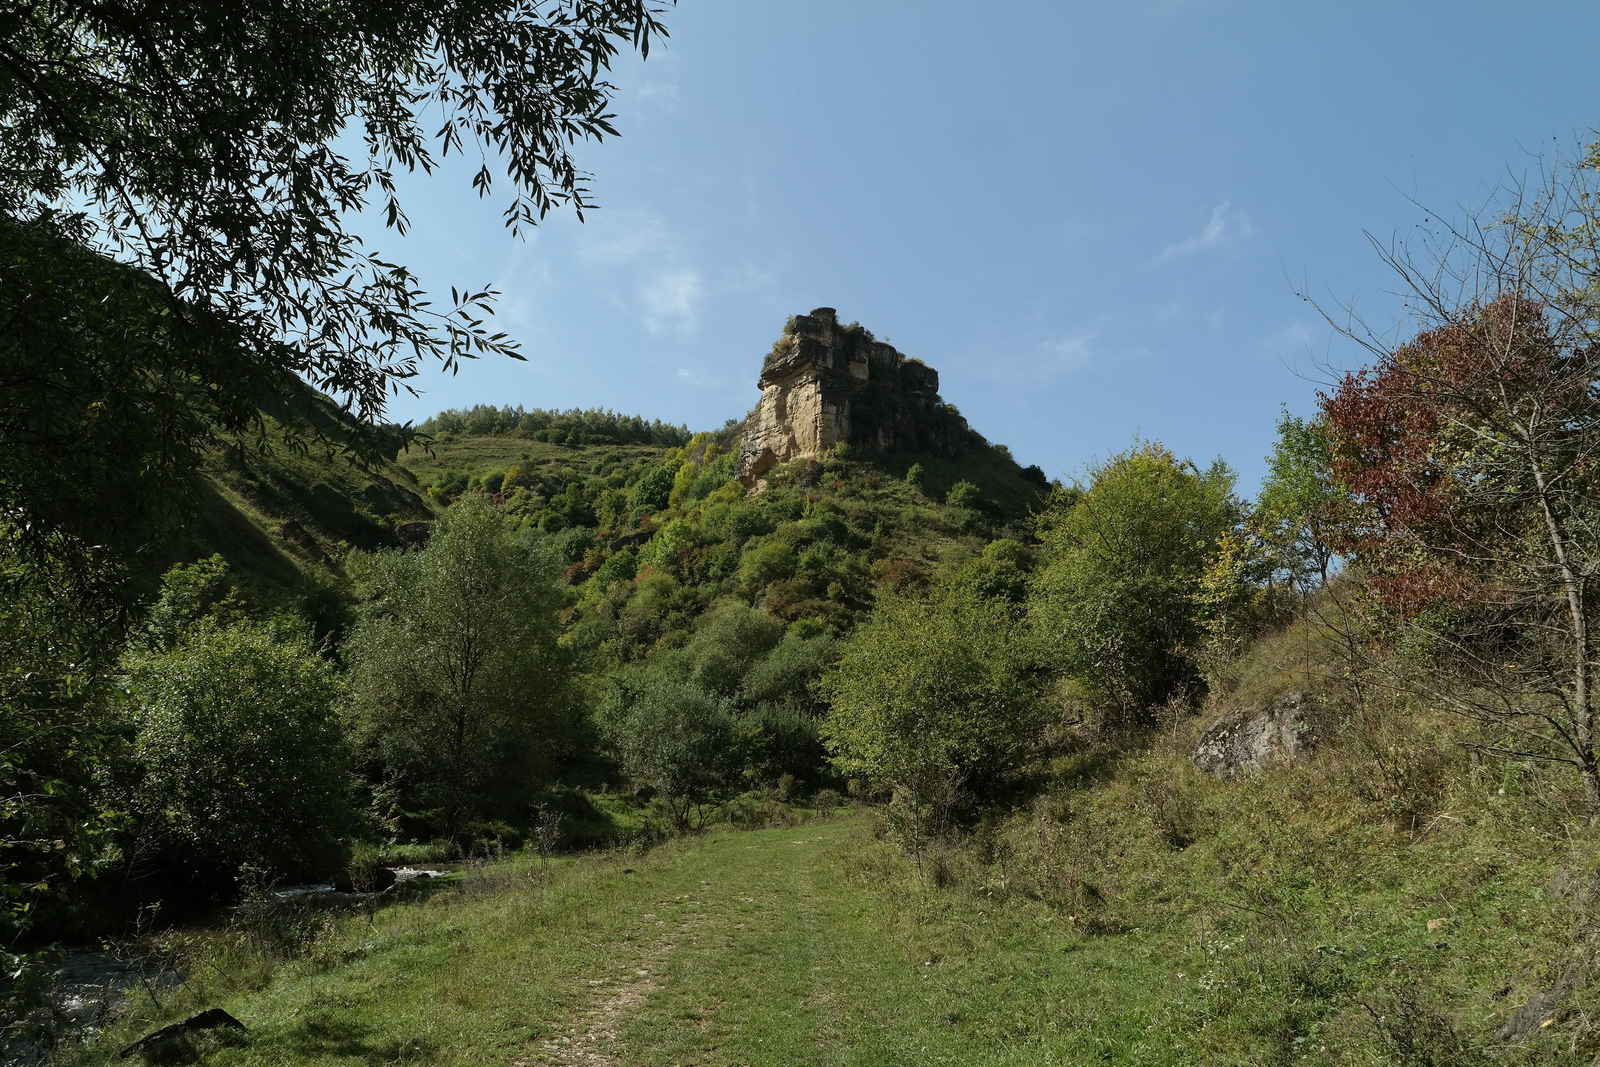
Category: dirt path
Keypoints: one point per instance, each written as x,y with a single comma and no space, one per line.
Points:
590,1040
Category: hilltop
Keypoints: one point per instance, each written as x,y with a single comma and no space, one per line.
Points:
851,475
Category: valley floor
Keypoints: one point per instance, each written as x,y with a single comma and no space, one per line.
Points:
803,945
818,943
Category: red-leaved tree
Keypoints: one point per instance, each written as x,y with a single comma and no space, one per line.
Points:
1470,454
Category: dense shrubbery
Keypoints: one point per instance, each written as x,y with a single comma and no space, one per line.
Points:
935,696
1116,595
458,696
238,750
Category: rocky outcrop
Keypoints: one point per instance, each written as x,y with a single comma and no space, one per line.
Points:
823,384
1285,730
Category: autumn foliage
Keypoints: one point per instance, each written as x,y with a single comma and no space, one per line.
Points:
1441,444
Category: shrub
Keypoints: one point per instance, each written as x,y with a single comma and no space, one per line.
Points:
242,758
652,490
964,494
678,738
931,694
1117,595
761,566
458,688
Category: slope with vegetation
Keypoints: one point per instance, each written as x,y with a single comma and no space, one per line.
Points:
1156,773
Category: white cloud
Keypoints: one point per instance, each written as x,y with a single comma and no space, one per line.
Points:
660,84
1225,226
1040,362
1290,342
697,378
653,274
614,239
1065,354
523,281
670,300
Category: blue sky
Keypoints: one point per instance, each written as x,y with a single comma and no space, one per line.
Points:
1092,218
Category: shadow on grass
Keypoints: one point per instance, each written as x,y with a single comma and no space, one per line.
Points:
326,1036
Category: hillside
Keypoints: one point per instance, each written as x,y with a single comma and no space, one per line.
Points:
284,510
868,481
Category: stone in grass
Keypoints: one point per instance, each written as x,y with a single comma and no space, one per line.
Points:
1286,730
172,1044
1543,1008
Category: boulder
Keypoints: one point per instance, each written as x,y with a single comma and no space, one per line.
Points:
1286,730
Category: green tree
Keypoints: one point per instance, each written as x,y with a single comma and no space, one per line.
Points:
1115,597
194,144
677,737
652,490
729,640
964,494
239,745
457,684
189,593
59,745
1300,501
932,696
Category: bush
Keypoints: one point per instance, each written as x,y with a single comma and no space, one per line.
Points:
652,490
458,689
242,758
964,494
1117,597
678,738
931,696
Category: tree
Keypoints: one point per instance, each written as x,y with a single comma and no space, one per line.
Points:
59,745
1299,501
457,684
196,145
1471,451
934,695
1471,454
1115,599
240,750
677,737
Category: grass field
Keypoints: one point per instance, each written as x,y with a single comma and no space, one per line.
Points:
778,946
1301,941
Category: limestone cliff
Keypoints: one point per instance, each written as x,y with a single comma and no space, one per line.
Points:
823,383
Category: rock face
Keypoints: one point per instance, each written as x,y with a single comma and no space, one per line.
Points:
823,384
1285,730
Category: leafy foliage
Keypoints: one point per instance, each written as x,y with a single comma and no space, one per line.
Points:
458,690
238,743
1115,596
1300,502
193,142
59,747
1470,453
679,738
587,426
937,689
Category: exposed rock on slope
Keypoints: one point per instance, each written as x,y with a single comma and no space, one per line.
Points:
823,384
1286,730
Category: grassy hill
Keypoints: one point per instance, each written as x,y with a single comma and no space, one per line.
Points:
283,509
674,525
